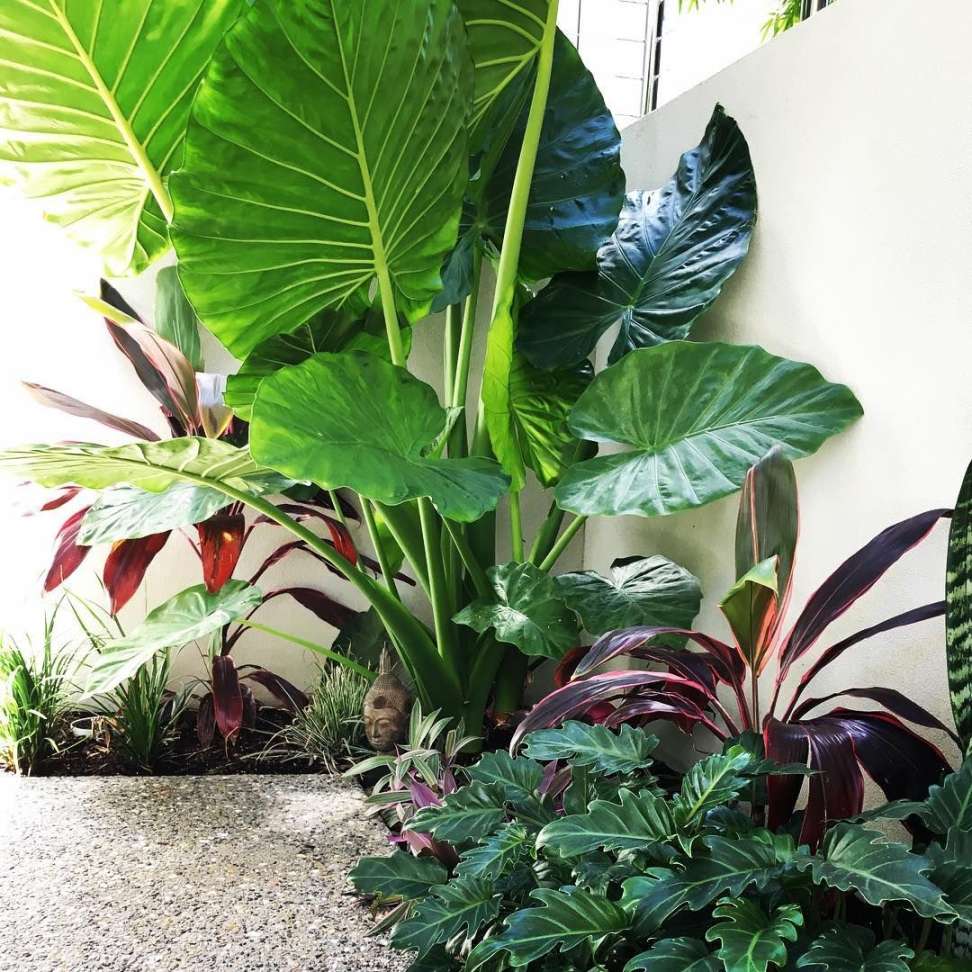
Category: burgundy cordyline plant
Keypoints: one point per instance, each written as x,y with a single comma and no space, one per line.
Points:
839,744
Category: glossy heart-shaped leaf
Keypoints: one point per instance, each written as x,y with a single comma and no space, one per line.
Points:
320,159
578,185
650,591
666,263
94,103
675,955
850,948
353,420
526,610
399,875
697,417
190,615
605,752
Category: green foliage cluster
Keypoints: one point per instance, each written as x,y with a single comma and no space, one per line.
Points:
328,176
35,688
590,863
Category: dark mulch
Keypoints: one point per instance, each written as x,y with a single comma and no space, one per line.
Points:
184,755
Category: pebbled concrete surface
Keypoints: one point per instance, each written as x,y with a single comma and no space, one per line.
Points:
226,873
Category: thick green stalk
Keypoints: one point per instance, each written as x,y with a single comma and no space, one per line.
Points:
472,565
338,512
386,571
516,526
450,349
466,334
563,541
504,296
445,634
547,535
407,535
511,682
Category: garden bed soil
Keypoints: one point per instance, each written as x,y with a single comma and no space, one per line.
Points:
184,755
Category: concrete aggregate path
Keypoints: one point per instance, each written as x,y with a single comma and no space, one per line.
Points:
185,874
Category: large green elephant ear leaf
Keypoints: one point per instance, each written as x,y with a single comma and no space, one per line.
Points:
958,610
504,39
667,262
327,149
151,466
193,614
697,416
94,98
328,330
352,420
650,591
526,610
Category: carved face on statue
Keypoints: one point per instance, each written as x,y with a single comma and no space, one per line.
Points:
387,707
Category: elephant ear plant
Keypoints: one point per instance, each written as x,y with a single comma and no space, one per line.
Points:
838,744
350,165
572,857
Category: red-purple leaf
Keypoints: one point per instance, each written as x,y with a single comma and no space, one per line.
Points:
682,712
61,498
902,763
73,406
206,720
422,795
287,694
340,537
111,296
227,697
784,743
125,567
913,616
68,555
635,642
324,607
578,697
220,545
857,575
891,699
837,788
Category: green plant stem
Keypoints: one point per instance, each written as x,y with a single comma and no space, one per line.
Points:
504,296
466,334
547,535
450,349
338,512
311,646
516,526
386,571
410,540
472,565
562,542
444,632
511,681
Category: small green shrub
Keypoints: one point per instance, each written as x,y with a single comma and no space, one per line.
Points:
142,714
574,858
328,730
34,692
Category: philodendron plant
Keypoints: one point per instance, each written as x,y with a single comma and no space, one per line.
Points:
573,858
329,174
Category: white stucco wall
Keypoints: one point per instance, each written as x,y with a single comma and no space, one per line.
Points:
860,128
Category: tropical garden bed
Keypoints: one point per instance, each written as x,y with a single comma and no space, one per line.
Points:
322,178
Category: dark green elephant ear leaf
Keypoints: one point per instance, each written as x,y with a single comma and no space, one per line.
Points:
850,948
696,417
353,420
958,611
320,160
578,184
650,591
750,940
526,610
666,263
